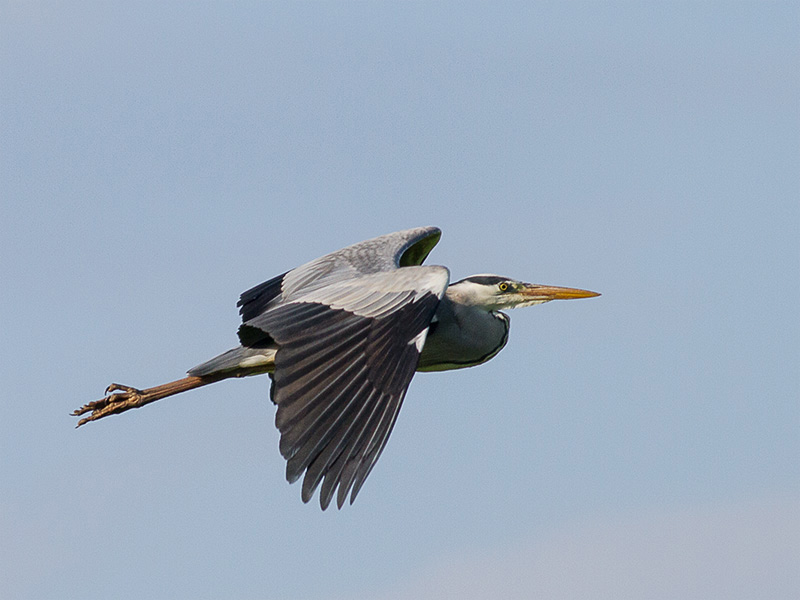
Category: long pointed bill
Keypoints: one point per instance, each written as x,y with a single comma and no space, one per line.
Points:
545,293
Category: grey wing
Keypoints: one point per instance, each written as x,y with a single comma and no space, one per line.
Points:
384,253
346,356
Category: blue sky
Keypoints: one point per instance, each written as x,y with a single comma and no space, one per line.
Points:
158,159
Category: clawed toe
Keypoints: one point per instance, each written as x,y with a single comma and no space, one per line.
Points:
118,387
119,398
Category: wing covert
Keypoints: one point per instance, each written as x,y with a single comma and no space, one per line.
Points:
383,253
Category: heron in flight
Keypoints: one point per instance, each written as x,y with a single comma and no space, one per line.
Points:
341,338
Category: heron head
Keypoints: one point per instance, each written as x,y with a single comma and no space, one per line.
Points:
494,292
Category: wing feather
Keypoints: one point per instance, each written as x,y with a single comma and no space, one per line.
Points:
383,253
352,428
336,471
362,464
350,461
336,424
319,416
346,354
255,300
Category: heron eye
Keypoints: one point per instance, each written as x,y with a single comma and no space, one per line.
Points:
503,287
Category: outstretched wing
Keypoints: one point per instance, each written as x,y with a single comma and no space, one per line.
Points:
384,253
347,353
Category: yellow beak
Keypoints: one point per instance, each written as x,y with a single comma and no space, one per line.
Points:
551,292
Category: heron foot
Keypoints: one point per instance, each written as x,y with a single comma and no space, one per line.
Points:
118,398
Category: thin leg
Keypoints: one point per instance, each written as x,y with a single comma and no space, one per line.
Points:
120,398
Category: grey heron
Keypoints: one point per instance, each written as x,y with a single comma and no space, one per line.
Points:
341,338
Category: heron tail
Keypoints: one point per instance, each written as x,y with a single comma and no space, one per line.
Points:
250,361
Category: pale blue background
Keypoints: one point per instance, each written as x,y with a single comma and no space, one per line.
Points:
157,160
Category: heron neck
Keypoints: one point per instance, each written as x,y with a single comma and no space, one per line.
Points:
462,336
